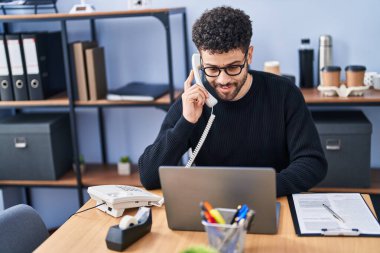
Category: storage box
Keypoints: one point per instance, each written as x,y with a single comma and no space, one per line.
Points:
346,141
35,146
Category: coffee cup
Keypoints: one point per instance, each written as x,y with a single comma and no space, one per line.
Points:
331,76
272,67
355,75
368,78
376,82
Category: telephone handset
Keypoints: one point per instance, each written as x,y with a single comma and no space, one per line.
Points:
210,102
119,197
196,62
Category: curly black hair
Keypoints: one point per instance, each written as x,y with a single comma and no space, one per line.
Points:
222,29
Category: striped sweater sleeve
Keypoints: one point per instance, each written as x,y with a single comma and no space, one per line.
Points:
168,148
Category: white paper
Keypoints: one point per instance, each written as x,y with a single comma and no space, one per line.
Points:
115,97
351,207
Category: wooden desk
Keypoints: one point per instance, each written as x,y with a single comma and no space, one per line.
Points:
86,232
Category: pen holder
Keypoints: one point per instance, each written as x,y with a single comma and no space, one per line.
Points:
226,237
118,239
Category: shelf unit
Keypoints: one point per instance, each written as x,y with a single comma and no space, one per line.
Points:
66,100
315,98
104,174
97,174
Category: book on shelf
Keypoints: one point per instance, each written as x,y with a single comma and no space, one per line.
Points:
79,66
138,91
96,73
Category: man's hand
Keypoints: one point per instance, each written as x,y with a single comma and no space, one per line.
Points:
193,99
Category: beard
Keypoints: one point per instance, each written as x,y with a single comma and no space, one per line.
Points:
229,91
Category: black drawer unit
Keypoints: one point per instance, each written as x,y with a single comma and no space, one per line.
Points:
35,146
346,141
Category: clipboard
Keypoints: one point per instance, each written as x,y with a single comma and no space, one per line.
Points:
332,232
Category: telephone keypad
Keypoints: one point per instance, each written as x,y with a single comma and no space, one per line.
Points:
129,188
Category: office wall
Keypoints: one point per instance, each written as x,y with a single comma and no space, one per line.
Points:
135,50
137,54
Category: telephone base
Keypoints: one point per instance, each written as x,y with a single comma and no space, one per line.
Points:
118,212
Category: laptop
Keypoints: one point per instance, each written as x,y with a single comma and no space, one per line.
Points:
224,187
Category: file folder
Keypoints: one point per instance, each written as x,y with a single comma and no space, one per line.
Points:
17,67
35,46
6,88
44,64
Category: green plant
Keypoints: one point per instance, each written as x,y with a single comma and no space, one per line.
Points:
124,159
81,159
199,249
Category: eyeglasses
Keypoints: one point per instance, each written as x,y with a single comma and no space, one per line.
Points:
231,70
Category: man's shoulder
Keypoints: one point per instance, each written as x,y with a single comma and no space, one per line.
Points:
278,88
272,81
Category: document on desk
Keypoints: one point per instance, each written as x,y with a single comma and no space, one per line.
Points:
337,214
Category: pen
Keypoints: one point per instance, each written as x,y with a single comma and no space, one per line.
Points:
242,213
235,214
250,217
213,212
336,216
207,217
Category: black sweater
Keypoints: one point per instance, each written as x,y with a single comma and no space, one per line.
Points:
269,127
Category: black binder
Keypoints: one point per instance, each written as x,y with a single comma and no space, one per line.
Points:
44,64
6,87
35,55
55,68
17,66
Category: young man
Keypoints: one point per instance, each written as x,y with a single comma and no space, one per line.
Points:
261,119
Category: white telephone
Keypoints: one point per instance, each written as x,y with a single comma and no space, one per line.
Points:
196,62
210,102
119,197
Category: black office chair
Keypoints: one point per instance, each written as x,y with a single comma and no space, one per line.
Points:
21,229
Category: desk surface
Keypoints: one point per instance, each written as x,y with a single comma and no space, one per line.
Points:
87,232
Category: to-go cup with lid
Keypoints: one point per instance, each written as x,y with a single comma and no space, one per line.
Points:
272,67
331,76
355,75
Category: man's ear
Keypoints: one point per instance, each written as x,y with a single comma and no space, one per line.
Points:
250,54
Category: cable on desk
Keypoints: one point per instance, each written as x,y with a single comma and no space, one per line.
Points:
87,209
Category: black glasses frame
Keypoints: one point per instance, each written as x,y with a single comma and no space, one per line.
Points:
225,69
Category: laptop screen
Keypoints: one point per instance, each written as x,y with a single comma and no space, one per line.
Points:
224,187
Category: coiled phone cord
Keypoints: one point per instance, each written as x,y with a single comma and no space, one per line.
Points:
202,139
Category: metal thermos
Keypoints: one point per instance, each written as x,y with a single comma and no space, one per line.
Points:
324,54
306,58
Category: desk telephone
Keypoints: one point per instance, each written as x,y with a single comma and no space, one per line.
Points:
119,197
210,102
